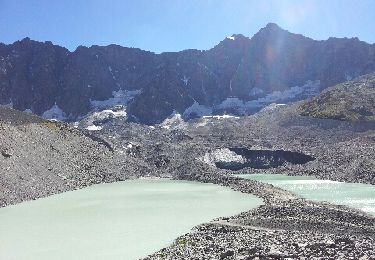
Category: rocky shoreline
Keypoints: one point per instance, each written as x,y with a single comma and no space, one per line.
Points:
49,158
286,227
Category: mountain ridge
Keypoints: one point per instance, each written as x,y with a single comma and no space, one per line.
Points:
37,76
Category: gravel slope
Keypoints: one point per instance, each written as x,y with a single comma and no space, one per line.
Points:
41,158
352,101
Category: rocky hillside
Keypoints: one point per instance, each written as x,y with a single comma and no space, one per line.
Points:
239,75
40,158
351,101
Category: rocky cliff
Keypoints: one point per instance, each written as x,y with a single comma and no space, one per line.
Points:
239,75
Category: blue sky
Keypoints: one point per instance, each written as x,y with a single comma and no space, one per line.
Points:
173,25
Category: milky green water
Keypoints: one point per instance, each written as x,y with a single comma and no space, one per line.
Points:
125,220
356,195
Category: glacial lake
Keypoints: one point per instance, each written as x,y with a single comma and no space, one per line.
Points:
124,220
355,195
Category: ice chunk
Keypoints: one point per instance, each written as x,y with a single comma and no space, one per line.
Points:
9,105
173,121
256,92
198,110
55,113
120,97
94,128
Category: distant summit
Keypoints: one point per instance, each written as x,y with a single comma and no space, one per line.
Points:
272,27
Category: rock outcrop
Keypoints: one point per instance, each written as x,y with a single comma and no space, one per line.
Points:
40,158
349,101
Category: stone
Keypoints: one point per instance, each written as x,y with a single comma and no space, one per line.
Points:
226,254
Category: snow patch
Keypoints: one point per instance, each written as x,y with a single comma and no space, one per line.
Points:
108,113
272,107
121,97
198,110
231,38
75,124
239,107
120,113
9,105
310,88
55,113
94,128
256,92
201,123
221,155
185,80
173,121
28,110
95,120
222,117
231,102
110,71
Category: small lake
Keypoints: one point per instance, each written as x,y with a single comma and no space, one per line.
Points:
356,195
125,220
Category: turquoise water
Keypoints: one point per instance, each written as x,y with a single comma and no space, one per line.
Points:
125,220
356,195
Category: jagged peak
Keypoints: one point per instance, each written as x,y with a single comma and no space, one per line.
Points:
271,28
235,37
26,39
232,41
272,31
28,42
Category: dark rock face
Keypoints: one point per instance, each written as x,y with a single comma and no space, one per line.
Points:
36,75
6,154
264,159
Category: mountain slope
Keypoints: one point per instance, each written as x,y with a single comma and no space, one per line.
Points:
40,158
352,101
239,75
